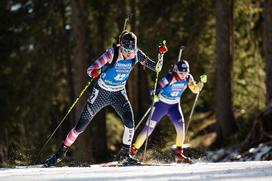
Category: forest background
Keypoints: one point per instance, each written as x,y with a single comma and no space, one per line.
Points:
46,47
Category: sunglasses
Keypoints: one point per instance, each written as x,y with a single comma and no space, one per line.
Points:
182,73
128,50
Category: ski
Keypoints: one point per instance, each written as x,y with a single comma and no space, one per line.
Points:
119,164
30,166
110,164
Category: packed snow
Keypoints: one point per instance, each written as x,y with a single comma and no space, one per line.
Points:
250,170
259,153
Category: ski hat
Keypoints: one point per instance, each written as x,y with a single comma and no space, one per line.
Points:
182,66
128,40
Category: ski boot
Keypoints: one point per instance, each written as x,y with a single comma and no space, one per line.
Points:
180,158
133,151
125,157
56,158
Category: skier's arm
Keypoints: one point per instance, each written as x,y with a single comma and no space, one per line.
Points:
193,86
146,61
164,82
93,70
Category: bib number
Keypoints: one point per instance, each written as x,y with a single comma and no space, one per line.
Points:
119,77
174,93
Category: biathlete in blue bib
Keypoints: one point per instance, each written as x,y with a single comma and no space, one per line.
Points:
168,93
115,66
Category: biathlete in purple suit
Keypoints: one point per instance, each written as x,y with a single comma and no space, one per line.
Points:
168,93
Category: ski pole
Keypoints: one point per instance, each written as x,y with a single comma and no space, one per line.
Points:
139,123
193,108
192,111
70,109
162,49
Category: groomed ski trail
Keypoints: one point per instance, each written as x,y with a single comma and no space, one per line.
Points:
252,170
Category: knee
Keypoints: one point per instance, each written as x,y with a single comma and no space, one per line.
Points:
179,123
129,123
151,124
128,119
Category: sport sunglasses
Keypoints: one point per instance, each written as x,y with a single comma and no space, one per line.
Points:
128,50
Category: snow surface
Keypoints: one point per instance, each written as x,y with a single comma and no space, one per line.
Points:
251,170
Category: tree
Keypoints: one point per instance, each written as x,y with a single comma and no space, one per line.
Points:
83,151
224,59
98,127
267,44
261,130
133,83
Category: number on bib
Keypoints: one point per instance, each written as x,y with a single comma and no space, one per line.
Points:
174,93
120,76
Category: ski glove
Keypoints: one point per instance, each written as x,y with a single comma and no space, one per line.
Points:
94,73
156,98
195,87
163,48
203,78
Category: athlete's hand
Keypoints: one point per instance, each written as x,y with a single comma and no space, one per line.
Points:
156,98
203,78
162,47
94,73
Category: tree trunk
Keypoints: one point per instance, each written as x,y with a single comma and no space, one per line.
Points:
267,44
99,130
133,89
83,144
261,130
224,56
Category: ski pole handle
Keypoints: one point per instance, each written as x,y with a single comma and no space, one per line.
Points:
162,47
162,50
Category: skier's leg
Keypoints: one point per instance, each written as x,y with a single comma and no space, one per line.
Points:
159,110
94,103
176,116
123,107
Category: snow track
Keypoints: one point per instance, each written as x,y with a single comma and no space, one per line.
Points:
254,170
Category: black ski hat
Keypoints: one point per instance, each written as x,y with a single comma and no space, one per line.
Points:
183,66
128,40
